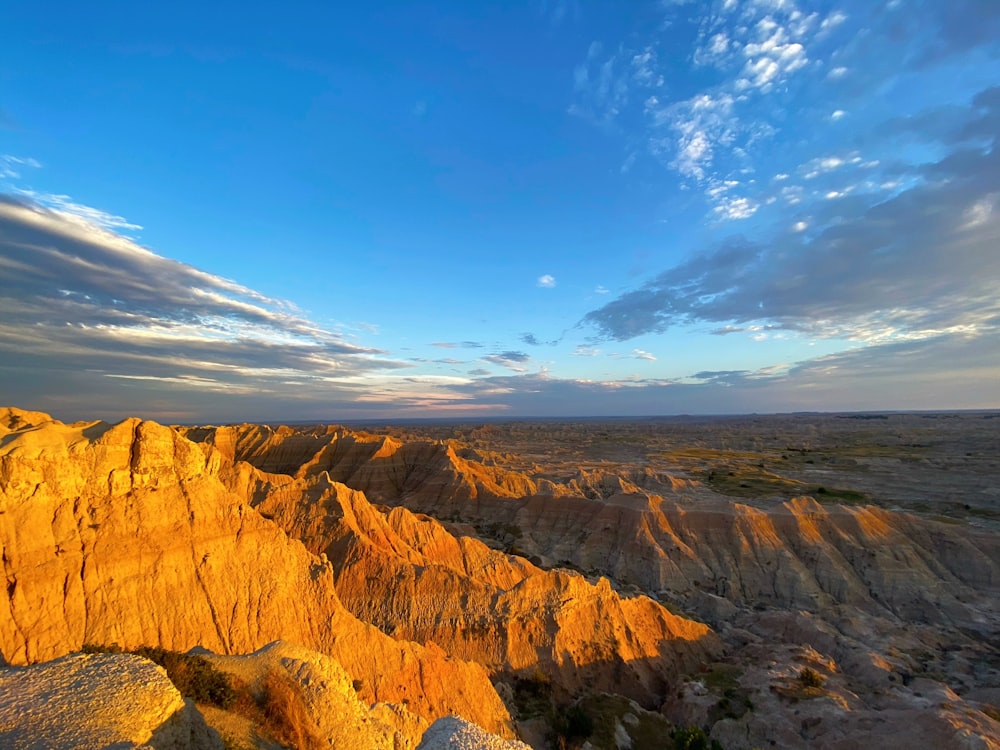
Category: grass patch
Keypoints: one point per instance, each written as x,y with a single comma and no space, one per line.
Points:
192,675
721,676
850,497
724,680
607,711
806,685
275,707
747,480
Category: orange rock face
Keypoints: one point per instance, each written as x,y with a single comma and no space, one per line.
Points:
877,600
406,574
426,571
126,534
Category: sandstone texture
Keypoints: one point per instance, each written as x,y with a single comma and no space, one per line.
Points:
435,593
409,576
454,733
97,701
328,696
884,603
126,534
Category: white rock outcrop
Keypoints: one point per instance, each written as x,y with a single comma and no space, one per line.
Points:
96,701
455,733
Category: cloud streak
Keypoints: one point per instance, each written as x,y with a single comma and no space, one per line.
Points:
79,296
865,267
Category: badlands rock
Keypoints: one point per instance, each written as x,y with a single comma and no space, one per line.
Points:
454,733
328,697
97,701
384,468
881,600
126,534
406,574
796,554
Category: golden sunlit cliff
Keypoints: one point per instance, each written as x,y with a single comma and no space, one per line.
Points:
125,534
410,580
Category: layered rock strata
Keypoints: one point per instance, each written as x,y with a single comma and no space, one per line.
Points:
126,534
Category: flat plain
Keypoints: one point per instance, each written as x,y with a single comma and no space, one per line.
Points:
939,465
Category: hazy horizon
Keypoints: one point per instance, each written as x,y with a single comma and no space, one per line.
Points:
552,209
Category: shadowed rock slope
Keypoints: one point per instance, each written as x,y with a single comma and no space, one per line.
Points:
409,576
796,554
898,615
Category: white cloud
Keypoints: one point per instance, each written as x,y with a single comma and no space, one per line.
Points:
823,164
837,114
719,130
546,281
800,226
84,215
695,150
77,291
980,212
10,166
700,123
714,51
641,354
602,87
833,20
792,194
601,289
644,69
837,73
772,57
736,208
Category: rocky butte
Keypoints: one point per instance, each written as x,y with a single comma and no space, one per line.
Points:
349,589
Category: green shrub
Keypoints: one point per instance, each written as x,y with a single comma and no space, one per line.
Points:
693,738
192,675
574,723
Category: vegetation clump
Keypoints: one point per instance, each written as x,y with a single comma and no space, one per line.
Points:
192,675
275,707
810,678
693,738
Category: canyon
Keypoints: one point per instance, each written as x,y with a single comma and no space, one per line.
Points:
802,581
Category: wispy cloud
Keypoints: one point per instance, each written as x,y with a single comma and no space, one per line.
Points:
12,167
532,340
512,360
559,12
917,264
546,281
899,375
74,291
606,81
458,344
86,217
755,47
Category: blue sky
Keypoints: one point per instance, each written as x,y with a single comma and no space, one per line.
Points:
549,207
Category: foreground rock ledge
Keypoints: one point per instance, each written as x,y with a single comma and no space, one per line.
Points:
97,701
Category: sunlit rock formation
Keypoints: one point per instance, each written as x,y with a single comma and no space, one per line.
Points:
125,534
409,576
884,599
97,700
